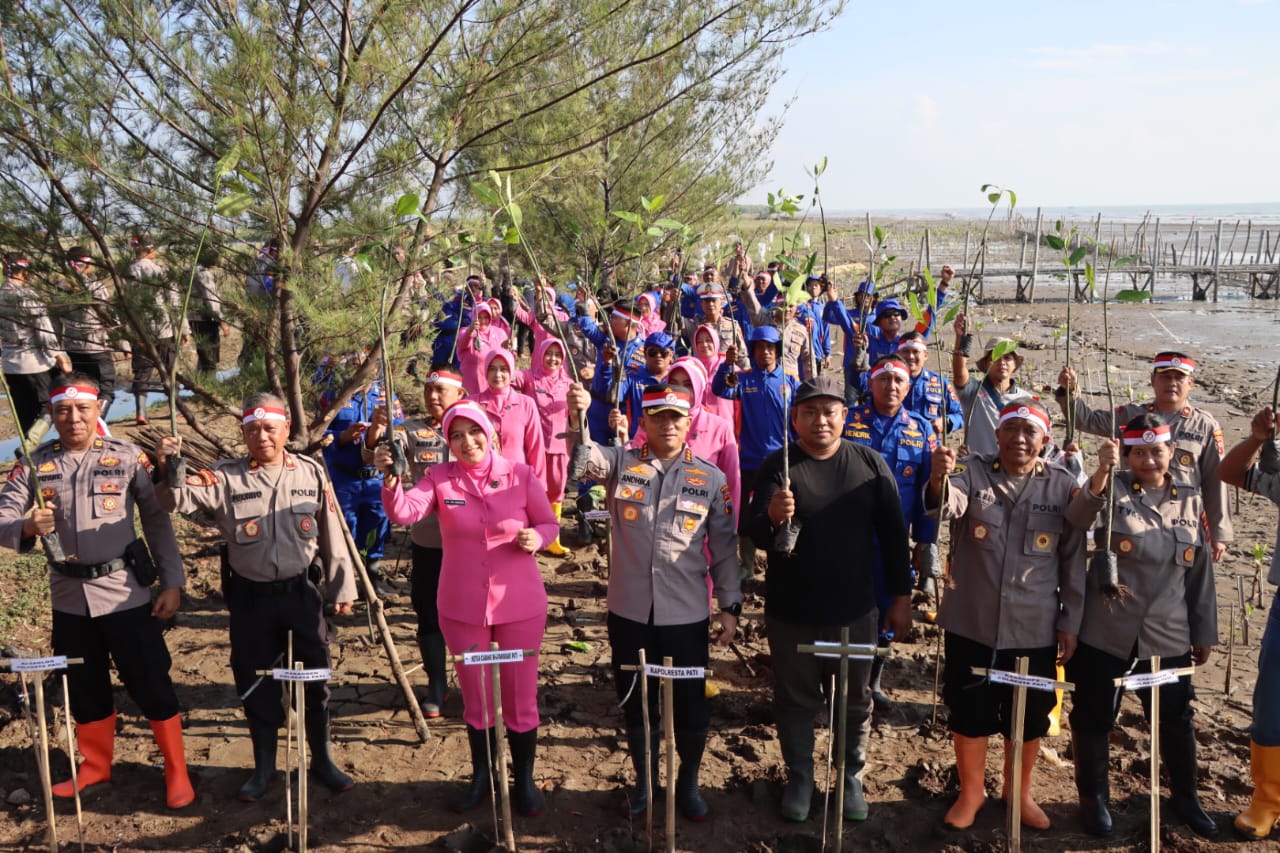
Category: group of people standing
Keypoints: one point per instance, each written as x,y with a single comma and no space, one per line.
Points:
744,441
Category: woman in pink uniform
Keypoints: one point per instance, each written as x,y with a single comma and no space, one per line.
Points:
706,350
650,320
547,384
546,299
482,337
494,516
514,416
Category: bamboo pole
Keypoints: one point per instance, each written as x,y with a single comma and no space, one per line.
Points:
1015,772
71,753
1155,759
669,744
1035,257
1217,259
1155,257
300,701
499,727
290,722
647,763
42,760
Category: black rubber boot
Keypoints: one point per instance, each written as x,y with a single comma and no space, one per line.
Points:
855,764
432,649
796,739
880,701
482,746
1178,750
526,798
322,766
264,739
637,801
689,746
1092,782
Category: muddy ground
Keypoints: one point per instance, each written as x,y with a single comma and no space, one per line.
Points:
403,785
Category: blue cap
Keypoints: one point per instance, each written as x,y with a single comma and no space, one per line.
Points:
766,333
889,306
868,287
660,339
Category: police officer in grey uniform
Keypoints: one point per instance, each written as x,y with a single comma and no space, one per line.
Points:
1167,607
102,605
283,537
424,445
29,349
1017,590
1195,432
159,303
666,505
85,322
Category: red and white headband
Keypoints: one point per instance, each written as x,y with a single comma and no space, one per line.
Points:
440,377
913,343
1138,437
1169,361
1019,411
72,392
890,367
264,413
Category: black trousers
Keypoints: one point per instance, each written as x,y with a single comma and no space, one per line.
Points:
979,708
260,626
422,591
208,340
30,394
1096,699
144,369
686,645
102,367
132,639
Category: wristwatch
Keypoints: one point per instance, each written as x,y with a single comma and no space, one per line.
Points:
734,610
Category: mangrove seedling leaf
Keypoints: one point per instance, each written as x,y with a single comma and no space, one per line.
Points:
879,232
233,204
487,195
1133,295
227,162
1078,255
1002,349
994,198
670,224
1091,276
654,231
516,214
512,236
1055,242
1013,199
407,205
627,216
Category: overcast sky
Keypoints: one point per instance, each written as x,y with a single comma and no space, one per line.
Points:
917,103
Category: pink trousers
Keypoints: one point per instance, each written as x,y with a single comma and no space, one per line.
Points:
519,680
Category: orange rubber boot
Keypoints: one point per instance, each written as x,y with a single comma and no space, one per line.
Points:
177,785
1257,821
97,742
971,767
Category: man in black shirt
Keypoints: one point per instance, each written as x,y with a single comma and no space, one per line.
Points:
844,500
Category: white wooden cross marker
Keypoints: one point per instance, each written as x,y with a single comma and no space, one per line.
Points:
1021,682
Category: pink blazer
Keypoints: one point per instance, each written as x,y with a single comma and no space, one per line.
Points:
486,578
519,427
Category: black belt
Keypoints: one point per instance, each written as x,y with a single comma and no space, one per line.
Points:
266,589
84,572
368,473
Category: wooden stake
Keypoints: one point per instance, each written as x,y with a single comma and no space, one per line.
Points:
1155,759
1015,770
290,721
71,752
504,796
669,744
42,760
300,693
647,762
826,787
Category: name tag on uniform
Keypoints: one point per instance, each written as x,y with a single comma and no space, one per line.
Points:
690,505
454,502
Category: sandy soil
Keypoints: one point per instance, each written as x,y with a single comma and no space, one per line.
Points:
403,785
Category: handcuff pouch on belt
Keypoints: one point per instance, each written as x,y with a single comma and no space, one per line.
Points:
138,558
